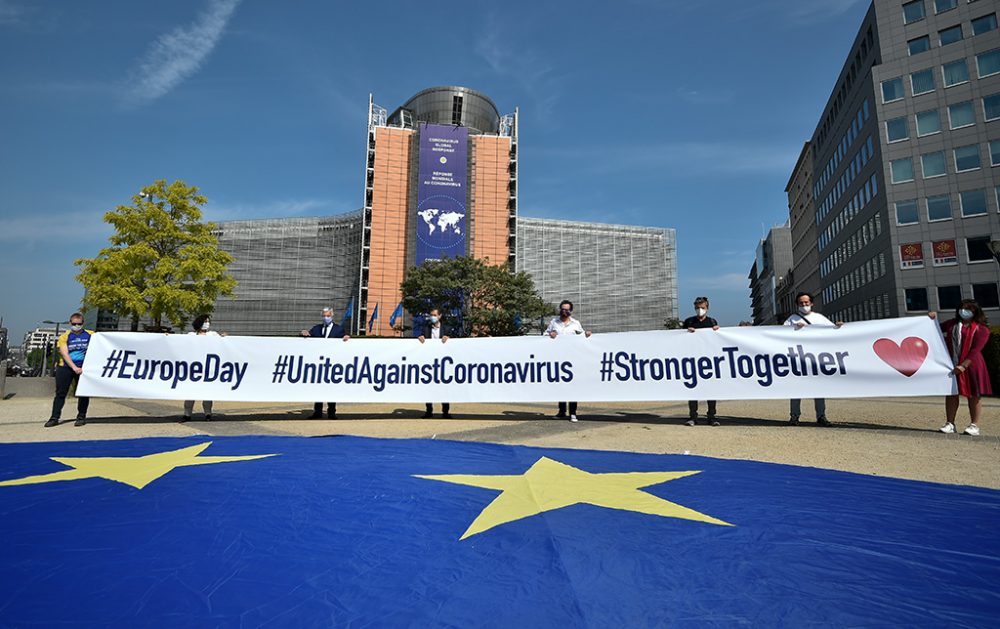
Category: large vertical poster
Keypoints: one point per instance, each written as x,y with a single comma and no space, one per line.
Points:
441,212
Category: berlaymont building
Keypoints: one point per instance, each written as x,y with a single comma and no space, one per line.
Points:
439,180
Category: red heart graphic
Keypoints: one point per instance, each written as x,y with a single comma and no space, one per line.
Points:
906,358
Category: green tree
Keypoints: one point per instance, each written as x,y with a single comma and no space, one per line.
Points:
489,300
672,323
34,357
163,262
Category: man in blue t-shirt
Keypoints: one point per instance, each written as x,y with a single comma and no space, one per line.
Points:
72,347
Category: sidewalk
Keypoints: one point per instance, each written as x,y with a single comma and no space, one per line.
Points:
881,436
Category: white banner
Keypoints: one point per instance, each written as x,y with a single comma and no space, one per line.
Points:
894,357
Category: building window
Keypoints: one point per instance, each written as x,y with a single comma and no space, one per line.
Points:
949,297
979,249
897,130
950,35
986,295
991,107
892,90
944,253
916,299
995,153
940,6
984,24
961,115
928,122
902,170
913,12
988,63
922,82
906,212
939,208
955,73
933,164
967,158
972,202
919,45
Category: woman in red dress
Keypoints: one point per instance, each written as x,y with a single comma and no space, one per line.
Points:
966,335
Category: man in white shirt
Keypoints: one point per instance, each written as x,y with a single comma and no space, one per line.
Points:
565,324
805,317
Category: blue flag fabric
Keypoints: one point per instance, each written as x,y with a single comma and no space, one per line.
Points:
350,531
396,314
373,318
348,314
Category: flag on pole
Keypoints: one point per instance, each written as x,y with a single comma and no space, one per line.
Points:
348,313
396,314
373,318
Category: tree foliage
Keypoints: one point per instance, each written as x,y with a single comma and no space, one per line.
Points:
487,300
163,262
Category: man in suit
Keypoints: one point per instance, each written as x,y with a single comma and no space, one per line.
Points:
434,328
326,330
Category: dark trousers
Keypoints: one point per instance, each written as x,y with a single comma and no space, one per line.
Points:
693,408
65,377
445,407
331,408
572,408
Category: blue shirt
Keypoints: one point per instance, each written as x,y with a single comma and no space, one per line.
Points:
76,345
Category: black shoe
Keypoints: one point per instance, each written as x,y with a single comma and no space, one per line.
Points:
332,415
208,417
316,416
186,418
427,415
560,415
52,422
445,415
713,421
823,421
794,421
80,421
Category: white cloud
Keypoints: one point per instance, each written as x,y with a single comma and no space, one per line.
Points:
178,54
274,209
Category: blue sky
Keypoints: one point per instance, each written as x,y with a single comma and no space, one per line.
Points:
661,113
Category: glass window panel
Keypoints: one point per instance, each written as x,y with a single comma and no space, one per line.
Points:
919,45
902,170
984,24
913,12
928,122
939,208
897,129
988,63
906,212
967,158
979,249
955,72
950,35
892,90
961,115
986,295
995,153
949,297
916,299
991,106
922,82
933,164
943,5
973,202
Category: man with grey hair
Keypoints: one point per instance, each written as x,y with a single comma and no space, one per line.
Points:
325,330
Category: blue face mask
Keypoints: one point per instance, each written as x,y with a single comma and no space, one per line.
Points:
433,319
328,320
965,314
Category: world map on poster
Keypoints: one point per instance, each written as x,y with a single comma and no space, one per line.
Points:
447,222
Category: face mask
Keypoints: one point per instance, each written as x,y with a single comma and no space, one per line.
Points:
965,314
701,312
328,320
76,327
205,326
805,309
564,312
433,319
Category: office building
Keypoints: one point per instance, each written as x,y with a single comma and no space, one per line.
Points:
768,275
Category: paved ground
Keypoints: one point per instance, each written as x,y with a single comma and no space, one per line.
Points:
883,436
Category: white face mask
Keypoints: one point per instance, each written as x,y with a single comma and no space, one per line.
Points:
76,327
965,314
433,319
205,326
701,312
805,309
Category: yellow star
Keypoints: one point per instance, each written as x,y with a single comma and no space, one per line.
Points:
550,485
136,471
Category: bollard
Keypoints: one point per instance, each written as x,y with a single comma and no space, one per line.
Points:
3,380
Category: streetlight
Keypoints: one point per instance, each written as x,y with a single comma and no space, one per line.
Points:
45,351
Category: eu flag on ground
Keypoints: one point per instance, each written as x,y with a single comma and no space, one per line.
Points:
396,314
373,318
348,314
338,531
